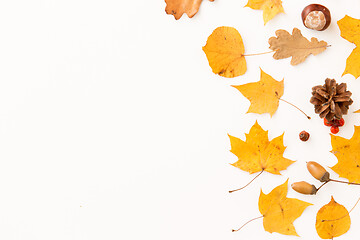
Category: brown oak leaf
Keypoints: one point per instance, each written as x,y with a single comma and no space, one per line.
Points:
295,46
178,7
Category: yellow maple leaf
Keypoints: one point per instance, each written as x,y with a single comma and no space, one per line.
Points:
178,7
257,153
263,95
332,220
350,30
280,212
224,50
295,46
270,8
347,152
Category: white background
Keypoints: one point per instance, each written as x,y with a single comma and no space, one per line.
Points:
113,126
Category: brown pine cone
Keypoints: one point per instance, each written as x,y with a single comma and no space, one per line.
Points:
331,100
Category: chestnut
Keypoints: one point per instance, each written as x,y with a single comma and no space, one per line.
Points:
304,136
316,16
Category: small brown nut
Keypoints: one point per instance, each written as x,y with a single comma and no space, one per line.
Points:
316,16
304,136
304,188
318,171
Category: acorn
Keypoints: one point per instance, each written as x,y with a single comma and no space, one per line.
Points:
318,171
316,16
304,188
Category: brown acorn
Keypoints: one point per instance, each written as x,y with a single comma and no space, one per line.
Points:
318,171
304,188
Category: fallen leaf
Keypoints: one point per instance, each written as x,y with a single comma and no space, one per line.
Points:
179,7
350,30
270,8
224,50
257,153
358,111
280,212
295,46
263,95
347,152
332,220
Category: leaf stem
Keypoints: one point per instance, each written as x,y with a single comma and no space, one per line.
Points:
338,181
308,117
247,183
344,215
255,54
247,223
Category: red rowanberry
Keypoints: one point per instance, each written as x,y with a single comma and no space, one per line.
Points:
327,123
341,122
334,129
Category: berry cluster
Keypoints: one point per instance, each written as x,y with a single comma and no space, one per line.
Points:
334,124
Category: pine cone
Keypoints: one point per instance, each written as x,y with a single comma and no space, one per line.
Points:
331,100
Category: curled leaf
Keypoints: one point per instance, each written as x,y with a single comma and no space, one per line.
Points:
332,220
178,7
224,50
295,46
263,95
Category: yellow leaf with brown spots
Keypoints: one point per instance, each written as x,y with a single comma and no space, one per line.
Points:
257,153
224,50
347,152
350,30
332,220
279,212
270,8
263,95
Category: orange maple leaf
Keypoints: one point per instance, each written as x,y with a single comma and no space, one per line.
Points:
178,7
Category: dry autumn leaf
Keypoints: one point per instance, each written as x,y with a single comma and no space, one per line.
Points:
295,46
270,8
350,30
257,153
347,152
263,95
179,7
332,220
224,50
280,212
